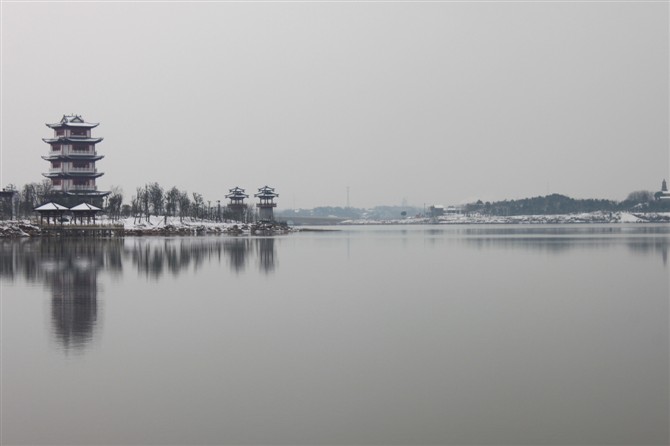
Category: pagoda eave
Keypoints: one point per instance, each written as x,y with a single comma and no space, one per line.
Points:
73,157
63,139
85,193
79,125
70,175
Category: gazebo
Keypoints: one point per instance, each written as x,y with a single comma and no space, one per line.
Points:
53,211
266,195
237,206
84,210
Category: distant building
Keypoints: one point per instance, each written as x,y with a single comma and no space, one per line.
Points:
236,205
266,204
436,210
663,194
72,157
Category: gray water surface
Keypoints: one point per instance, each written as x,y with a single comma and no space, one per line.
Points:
367,335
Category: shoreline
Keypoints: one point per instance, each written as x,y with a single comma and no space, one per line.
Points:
173,227
128,228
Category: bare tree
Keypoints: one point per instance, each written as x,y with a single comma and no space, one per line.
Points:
198,205
44,191
137,204
184,204
114,203
28,199
172,201
156,198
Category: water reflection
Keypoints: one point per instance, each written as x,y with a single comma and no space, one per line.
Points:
154,257
640,239
70,264
266,254
464,339
69,268
237,250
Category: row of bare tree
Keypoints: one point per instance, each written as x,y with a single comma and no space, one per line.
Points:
151,199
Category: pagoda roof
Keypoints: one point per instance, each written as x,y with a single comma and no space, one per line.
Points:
73,121
73,174
56,156
83,193
51,206
71,139
266,192
85,207
237,192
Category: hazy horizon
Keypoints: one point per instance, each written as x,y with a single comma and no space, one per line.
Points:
435,103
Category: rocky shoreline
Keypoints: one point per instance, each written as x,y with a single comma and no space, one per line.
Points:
14,229
160,227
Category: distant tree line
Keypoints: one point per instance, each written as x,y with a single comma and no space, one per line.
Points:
561,204
152,199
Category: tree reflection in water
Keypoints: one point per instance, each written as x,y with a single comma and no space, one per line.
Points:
69,268
154,257
555,239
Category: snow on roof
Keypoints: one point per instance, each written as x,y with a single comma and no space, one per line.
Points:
51,206
73,121
85,207
72,139
266,192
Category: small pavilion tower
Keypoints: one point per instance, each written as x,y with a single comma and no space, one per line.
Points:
236,205
265,205
663,194
72,156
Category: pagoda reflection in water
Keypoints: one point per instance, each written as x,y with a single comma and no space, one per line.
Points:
69,268
71,272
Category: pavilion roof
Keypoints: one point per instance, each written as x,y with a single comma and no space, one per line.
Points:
266,192
236,192
85,207
73,121
51,206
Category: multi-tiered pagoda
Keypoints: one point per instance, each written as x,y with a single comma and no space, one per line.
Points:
236,205
266,204
72,158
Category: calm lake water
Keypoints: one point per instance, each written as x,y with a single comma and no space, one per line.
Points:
366,335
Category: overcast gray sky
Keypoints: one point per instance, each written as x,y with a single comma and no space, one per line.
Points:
427,102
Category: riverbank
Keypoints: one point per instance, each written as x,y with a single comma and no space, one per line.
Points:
155,226
175,227
589,217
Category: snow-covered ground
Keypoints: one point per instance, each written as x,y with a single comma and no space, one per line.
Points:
588,217
188,226
132,226
174,224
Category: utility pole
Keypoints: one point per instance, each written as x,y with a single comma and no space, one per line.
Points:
348,196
